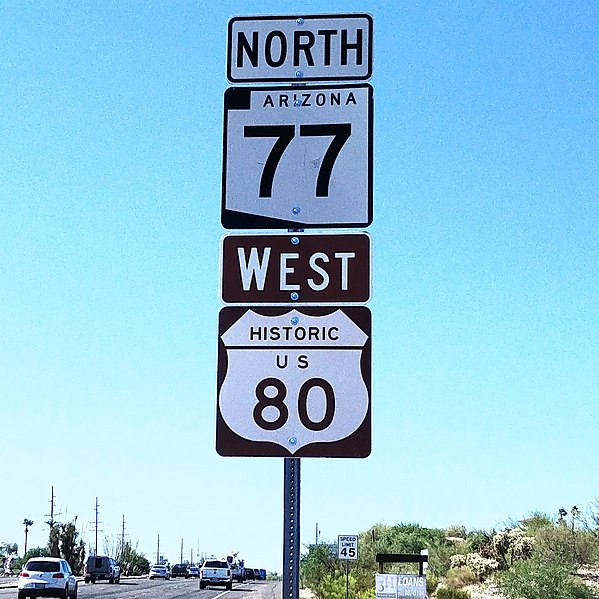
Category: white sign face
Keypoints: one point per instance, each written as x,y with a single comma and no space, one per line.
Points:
294,382
347,547
400,586
297,157
302,48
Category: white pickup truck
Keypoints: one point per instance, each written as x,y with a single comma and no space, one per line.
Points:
216,572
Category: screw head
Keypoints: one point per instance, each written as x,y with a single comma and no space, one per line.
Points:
299,21
295,240
292,440
299,74
294,320
294,296
296,210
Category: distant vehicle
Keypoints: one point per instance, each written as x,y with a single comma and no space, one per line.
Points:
179,570
236,566
47,577
262,574
216,572
159,571
101,567
248,574
257,574
193,572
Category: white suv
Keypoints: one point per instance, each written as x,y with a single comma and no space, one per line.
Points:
47,577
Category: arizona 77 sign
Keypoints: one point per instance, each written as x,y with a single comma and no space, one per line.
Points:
297,157
294,382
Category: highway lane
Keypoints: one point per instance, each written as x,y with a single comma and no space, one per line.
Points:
179,588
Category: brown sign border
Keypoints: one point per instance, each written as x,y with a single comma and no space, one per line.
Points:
231,288
356,445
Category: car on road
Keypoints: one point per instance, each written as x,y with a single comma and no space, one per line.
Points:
248,574
101,567
47,577
216,572
179,570
193,572
159,571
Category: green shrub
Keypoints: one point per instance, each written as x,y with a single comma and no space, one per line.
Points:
432,582
538,579
460,577
446,593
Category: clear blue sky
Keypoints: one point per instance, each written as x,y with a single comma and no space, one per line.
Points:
485,278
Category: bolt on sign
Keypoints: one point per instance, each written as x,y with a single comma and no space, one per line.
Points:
294,382
303,48
296,268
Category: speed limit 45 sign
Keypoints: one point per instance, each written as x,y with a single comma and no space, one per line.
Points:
294,382
297,157
347,547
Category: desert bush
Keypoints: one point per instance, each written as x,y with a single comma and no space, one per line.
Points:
511,545
460,577
432,582
478,565
560,544
448,593
536,579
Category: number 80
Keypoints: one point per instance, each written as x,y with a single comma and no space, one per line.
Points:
278,402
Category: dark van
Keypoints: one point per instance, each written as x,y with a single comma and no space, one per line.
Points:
101,567
179,570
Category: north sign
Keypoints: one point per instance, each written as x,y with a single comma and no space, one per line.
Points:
298,49
295,268
294,382
297,157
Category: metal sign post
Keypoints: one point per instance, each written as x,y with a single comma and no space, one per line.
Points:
291,528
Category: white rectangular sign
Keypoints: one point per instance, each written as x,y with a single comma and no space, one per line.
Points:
400,586
297,157
347,547
300,48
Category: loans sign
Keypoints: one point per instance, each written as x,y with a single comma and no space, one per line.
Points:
295,268
303,48
294,382
297,157
400,586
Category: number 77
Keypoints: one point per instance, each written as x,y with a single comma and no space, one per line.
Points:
340,132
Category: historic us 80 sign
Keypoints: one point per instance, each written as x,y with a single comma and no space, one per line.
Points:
297,157
294,382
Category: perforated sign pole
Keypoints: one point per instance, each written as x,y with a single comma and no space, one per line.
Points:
291,526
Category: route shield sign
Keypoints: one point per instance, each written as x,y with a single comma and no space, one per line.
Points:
295,268
297,157
294,382
303,48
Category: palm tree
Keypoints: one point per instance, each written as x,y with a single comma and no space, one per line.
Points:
27,524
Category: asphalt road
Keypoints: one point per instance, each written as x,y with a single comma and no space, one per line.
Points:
178,588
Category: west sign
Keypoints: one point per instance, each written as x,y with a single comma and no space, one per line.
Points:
295,268
303,48
297,157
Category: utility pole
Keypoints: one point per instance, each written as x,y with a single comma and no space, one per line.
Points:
181,552
158,551
50,522
123,537
96,551
317,533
